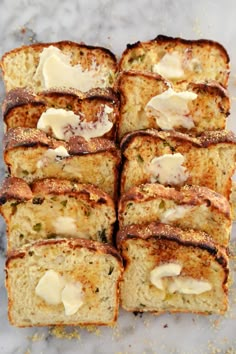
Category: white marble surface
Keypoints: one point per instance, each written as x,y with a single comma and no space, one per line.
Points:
114,24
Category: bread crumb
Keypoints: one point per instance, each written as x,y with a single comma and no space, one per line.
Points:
36,337
63,333
28,351
92,329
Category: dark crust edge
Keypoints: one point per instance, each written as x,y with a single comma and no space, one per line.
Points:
20,97
93,246
187,195
31,137
165,39
38,46
167,232
202,141
17,189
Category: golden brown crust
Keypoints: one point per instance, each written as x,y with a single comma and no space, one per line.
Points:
189,195
18,189
162,231
14,188
40,46
205,140
93,246
174,41
29,137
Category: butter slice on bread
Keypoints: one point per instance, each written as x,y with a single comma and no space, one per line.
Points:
172,270
63,282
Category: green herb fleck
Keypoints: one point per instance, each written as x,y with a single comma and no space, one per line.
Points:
37,227
64,203
52,235
139,158
25,172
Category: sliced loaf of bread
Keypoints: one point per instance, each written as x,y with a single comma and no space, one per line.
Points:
192,207
172,270
173,158
55,208
148,102
63,282
62,64
178,59
30,154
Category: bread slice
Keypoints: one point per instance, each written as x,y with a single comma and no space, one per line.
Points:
192,207
233,200
180,59
90,271
28,155
171,270
22,108
173,158
55,208
208,111
19,65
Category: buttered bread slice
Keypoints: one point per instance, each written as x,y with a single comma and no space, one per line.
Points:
30,154
172,270
178,59
63,282
64,64
173,158
92,114
55,208
192,207
147,101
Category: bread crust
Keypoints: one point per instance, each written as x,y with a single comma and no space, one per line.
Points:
163,231
29,137
187,195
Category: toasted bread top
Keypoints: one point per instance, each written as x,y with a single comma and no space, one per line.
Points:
142,55
205,140
190,195
160,231
19,97
29,137
17,189
73,243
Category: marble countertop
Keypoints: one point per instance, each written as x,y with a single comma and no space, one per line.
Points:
113,24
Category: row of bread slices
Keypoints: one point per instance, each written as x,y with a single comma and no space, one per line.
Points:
76,281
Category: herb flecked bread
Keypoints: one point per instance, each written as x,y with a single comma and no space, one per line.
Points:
55,208
22,108
178,59
172,270
207,111
192,207
173,158
30,154
63,282
19,66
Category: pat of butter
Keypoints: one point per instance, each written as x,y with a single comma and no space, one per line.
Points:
175,213
65,124
168,169
52,154
170,66
164,270
54,70
65,225
72,298
188,285
50,286
171,109
54,290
